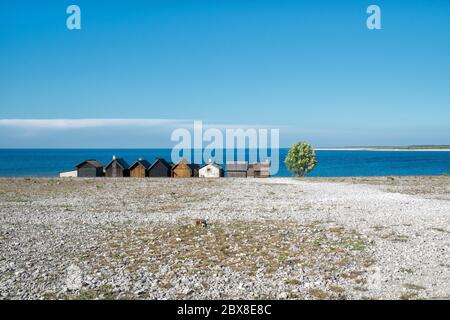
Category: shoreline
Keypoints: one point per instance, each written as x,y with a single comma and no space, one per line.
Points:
381,149
280,148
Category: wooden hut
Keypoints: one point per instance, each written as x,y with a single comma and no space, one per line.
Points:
237,169
140,169
185,170
161,168
251,170
210,170
117,168
261,170
89,168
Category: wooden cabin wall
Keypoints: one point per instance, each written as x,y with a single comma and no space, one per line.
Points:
116,171
182,171
159,170
237,174
138,172
251,171
262,170
89,171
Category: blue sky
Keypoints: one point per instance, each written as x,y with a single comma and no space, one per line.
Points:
311,68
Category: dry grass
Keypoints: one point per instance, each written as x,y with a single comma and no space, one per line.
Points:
243,247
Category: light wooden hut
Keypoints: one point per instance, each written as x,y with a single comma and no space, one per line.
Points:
184,170
140,169
261,170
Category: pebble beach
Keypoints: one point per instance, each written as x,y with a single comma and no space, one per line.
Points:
230,238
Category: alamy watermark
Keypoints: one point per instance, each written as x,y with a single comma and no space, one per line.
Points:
221,146
374,20
73,21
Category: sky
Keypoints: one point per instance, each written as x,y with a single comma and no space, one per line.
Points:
139,69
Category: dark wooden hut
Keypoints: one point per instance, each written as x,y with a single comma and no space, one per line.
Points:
237,169
117,168
185,170
89,168
140,169
160,168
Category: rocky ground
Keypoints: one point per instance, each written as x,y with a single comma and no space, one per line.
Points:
282,238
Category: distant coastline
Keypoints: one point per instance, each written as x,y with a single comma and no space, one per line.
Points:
390,148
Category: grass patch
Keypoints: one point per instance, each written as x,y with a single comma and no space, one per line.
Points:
318,294
394,237
440,230
293,282
406,270
337,289
409,296
100,293
414,287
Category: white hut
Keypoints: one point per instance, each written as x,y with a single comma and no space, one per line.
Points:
69,174
211,170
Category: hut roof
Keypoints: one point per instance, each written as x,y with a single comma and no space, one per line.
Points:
121,162
237,166
212,164
163,161
143,163
93,163
261,165
193,166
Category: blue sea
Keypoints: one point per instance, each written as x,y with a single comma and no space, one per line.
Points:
331,163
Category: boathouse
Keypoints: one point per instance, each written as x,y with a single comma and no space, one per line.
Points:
89,168
237,169
118,167
185,170
160,168
140,169
261,169
211,170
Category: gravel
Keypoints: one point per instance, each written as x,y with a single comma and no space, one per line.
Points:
279,238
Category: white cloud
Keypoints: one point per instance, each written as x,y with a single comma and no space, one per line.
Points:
106,133
61,124
96,123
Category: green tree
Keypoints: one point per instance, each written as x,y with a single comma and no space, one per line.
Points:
300,159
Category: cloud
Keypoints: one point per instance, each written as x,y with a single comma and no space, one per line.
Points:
64,124
88,133
156,133
100,133
61,124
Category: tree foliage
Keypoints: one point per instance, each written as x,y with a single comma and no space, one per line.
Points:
300,159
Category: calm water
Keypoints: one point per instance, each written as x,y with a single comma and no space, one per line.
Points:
41,162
